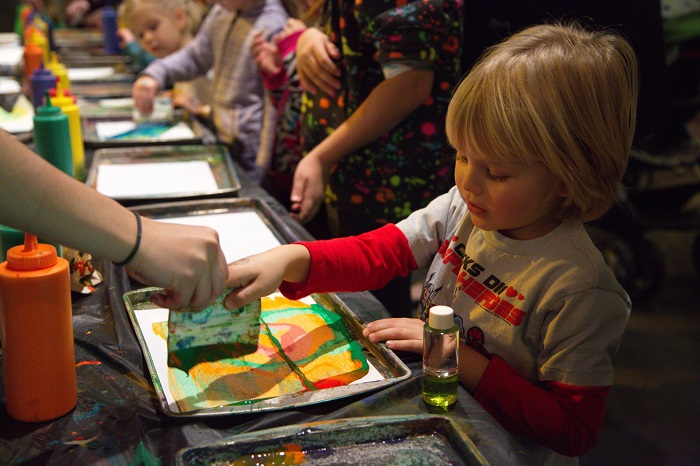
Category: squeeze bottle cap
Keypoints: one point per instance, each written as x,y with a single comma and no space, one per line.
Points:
59,97
47,109
32,255
43,72
441,317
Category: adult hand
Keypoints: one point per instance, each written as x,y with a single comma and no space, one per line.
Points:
315,62
185,260
75,11
144,93
400,334
308,188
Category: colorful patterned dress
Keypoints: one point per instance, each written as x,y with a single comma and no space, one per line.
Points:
404,169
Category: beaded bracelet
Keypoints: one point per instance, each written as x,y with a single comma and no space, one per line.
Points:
138,242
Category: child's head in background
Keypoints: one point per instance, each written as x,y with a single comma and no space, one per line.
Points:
557,96
162,26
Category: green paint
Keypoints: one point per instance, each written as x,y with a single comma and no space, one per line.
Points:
143,457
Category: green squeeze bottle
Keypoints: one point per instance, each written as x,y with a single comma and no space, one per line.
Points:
52,136
440,357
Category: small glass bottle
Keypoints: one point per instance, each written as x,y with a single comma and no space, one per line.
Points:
440,357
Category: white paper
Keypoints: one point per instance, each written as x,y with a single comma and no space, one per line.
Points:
11,55
109,129
125,102
21,119
177,132
9,85
241,234
134,180
90,74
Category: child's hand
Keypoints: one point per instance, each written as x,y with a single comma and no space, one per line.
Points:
144,92
76,10
308,188
266,55
261,275
290,27
316,56
402,334
126,36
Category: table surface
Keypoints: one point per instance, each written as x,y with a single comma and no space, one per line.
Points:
118,420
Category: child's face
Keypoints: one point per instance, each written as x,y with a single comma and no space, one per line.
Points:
233,5
517,200
160,33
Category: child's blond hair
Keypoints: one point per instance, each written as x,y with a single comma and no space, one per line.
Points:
194,11
556,94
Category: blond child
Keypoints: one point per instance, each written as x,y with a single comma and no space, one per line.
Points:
224,45
160,28
542,126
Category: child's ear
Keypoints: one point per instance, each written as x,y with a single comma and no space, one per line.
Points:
562,191
180,18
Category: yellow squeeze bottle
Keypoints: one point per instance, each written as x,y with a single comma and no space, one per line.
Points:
70,109
59,70
40,39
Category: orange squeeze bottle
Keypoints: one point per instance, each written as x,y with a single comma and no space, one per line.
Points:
36,325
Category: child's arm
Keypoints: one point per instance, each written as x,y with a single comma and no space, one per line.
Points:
389,103
355,263
562,417
260,275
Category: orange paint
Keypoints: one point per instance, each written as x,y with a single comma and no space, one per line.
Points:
37,333
83,363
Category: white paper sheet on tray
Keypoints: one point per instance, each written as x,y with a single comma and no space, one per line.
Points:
108,129
90,74
241,234
155,179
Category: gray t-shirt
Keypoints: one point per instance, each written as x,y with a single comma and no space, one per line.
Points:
550,307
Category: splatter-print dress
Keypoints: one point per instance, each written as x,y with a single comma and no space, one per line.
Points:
410,165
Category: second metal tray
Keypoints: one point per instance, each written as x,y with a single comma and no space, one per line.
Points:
216,156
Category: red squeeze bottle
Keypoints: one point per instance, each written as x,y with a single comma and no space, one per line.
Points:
36,325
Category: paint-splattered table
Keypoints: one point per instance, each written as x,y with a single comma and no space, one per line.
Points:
117,420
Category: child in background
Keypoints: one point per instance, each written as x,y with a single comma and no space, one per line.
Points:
224,44
162,27
129,45
543,126
276,61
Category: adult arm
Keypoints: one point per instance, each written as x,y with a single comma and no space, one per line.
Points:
385,107
38,198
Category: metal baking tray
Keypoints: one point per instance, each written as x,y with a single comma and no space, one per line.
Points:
98,71
93,141
217,156
386,363
77,38
385,440
101,90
